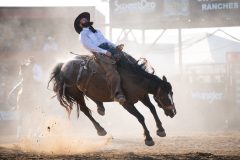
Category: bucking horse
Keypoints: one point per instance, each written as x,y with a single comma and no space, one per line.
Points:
83,75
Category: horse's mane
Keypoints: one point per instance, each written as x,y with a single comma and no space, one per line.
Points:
136,69
139,73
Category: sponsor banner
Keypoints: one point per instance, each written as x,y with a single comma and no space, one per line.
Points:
174,13
215,6
135,12
209,94
214,13
209,97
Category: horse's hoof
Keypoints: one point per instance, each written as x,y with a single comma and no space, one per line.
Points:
149,142
102,132
161,133
101,111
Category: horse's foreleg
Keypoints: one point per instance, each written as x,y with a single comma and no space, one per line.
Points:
146,101
131,109
101,109
100,130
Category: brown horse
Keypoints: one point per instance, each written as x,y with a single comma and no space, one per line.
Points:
136,84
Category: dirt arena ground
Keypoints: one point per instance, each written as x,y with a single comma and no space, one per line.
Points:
197,146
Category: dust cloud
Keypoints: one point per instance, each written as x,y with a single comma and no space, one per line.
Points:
59,136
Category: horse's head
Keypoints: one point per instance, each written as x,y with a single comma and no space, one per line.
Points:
164,98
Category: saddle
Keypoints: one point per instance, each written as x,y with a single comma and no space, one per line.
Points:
103,58
88,66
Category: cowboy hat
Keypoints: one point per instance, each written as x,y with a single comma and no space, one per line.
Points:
77,21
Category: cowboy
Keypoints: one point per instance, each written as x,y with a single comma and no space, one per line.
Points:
28,98
94,41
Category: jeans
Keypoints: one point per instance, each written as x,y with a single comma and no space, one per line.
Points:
108,48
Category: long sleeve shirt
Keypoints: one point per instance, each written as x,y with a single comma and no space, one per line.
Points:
91,40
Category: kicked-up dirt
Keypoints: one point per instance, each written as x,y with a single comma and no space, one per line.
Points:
198,146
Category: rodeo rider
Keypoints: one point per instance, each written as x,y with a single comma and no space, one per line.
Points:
94,41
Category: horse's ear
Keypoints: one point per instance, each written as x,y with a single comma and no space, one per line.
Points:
164,78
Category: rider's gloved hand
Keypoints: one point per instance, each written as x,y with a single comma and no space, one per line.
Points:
120,47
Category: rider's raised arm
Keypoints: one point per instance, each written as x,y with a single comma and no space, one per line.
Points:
90,45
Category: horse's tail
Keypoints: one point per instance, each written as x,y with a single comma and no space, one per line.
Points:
66,95
59,87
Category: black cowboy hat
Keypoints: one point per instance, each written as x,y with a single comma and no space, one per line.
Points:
77,21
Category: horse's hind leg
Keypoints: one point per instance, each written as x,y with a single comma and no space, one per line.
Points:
80,100
100,130
131,109
146,101
101,109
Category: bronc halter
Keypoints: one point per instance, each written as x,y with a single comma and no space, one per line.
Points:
158,99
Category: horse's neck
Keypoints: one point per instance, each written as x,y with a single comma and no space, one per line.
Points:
152,85
146,83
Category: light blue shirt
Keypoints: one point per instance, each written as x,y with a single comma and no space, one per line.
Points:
91,40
